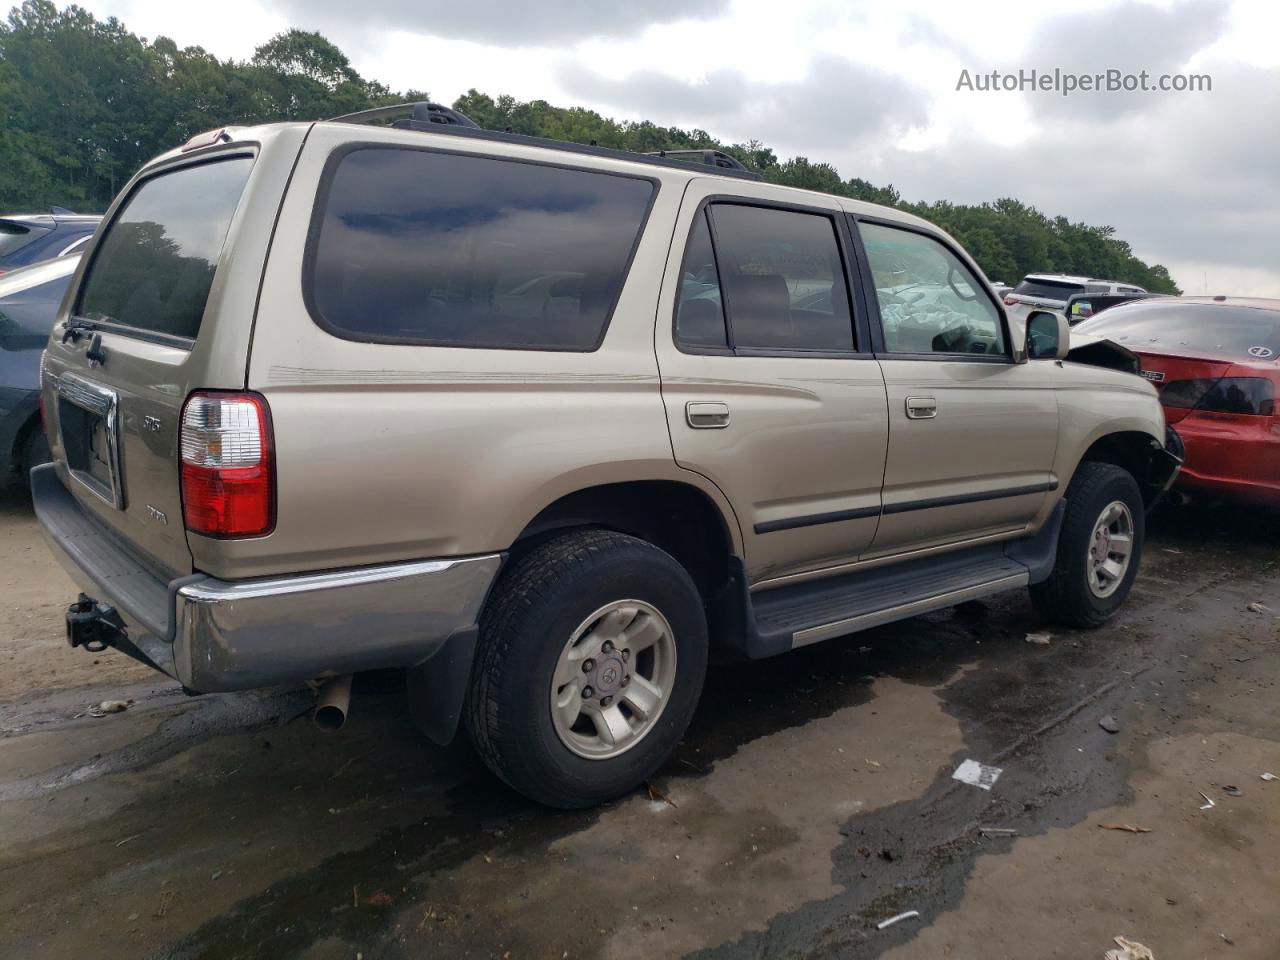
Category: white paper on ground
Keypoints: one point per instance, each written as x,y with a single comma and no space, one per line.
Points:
977,774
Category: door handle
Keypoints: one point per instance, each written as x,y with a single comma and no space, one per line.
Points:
921,408
706,414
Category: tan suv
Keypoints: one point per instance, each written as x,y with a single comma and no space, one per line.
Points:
546,425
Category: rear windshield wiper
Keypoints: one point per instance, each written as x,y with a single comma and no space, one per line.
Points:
73,327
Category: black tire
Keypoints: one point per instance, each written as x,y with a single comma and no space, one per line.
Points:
1066,597
35,451
530,616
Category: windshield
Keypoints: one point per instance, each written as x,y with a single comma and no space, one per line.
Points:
155,264
1238,333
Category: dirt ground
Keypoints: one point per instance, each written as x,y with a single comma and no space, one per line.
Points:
812,799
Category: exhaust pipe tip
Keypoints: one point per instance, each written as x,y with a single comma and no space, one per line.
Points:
332,704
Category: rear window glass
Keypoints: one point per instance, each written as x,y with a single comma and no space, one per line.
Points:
1237,333
14,237
1048,290
155,265
411,246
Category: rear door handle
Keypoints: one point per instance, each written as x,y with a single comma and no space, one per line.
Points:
921,408
706,414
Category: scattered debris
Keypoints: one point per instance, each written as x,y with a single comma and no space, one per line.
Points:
109,706
658,796
977,774
1172,550
883,924
215,875
1208,804
1129,950
166,899
1227,940
121,843
1270,776
871,763
997,831
1231,790
1258,607
1039,639
864,649
1126,827
1109,724
379,899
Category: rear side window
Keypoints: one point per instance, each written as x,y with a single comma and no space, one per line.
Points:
154,266
782,278
412,246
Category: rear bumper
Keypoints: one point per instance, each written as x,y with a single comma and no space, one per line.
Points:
214,635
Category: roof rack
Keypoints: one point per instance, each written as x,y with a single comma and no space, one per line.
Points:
712,158
425,116
437,118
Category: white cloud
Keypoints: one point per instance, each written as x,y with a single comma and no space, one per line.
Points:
1188,179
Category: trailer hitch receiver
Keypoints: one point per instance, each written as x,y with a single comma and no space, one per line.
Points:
93,625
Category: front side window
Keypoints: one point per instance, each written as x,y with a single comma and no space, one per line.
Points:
930,302
412,246
155,265
783,279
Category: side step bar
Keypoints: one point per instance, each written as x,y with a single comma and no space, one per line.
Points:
784,618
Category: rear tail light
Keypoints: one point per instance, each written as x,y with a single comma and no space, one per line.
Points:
1248,395
228,478
1009,301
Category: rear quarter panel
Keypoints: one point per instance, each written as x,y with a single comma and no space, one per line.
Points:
390,452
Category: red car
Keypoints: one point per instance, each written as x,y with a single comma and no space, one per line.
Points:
1216,363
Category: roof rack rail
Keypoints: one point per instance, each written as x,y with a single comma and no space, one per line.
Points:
436,118
424,116
712,158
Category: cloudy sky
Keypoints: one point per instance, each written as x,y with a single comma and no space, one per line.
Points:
1190,179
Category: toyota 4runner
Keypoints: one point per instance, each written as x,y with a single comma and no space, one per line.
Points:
552,427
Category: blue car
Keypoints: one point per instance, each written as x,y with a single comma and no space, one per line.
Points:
30,238
29,299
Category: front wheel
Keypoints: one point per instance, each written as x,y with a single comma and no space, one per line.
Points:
590,661
1099,548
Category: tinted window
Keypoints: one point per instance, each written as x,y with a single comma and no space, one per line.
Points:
14,237
1048,290
154,266
930,302
699,314
422,247
1238,333
783,279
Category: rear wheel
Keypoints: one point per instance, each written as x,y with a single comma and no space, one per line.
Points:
591,658
1099,548
35,451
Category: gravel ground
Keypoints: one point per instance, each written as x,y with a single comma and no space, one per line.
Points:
812,799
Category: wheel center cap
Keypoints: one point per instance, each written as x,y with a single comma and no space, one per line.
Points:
608,675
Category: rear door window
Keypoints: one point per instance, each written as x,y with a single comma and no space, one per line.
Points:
155,264
1047,290
783,279
415,246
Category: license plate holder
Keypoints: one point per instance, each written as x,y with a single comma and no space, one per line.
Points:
89,425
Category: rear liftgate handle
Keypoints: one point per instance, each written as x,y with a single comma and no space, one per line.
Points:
921,408
706,414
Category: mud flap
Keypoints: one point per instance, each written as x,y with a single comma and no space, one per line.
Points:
438,687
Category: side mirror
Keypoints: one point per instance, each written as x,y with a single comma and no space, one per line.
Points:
1048,336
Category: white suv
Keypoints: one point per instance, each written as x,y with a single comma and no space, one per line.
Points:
1054,290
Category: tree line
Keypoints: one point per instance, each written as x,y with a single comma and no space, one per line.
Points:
85,102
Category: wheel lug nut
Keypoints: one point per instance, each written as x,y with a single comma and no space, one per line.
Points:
605,701
626,678
608,647
588,693
588,665
626,654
